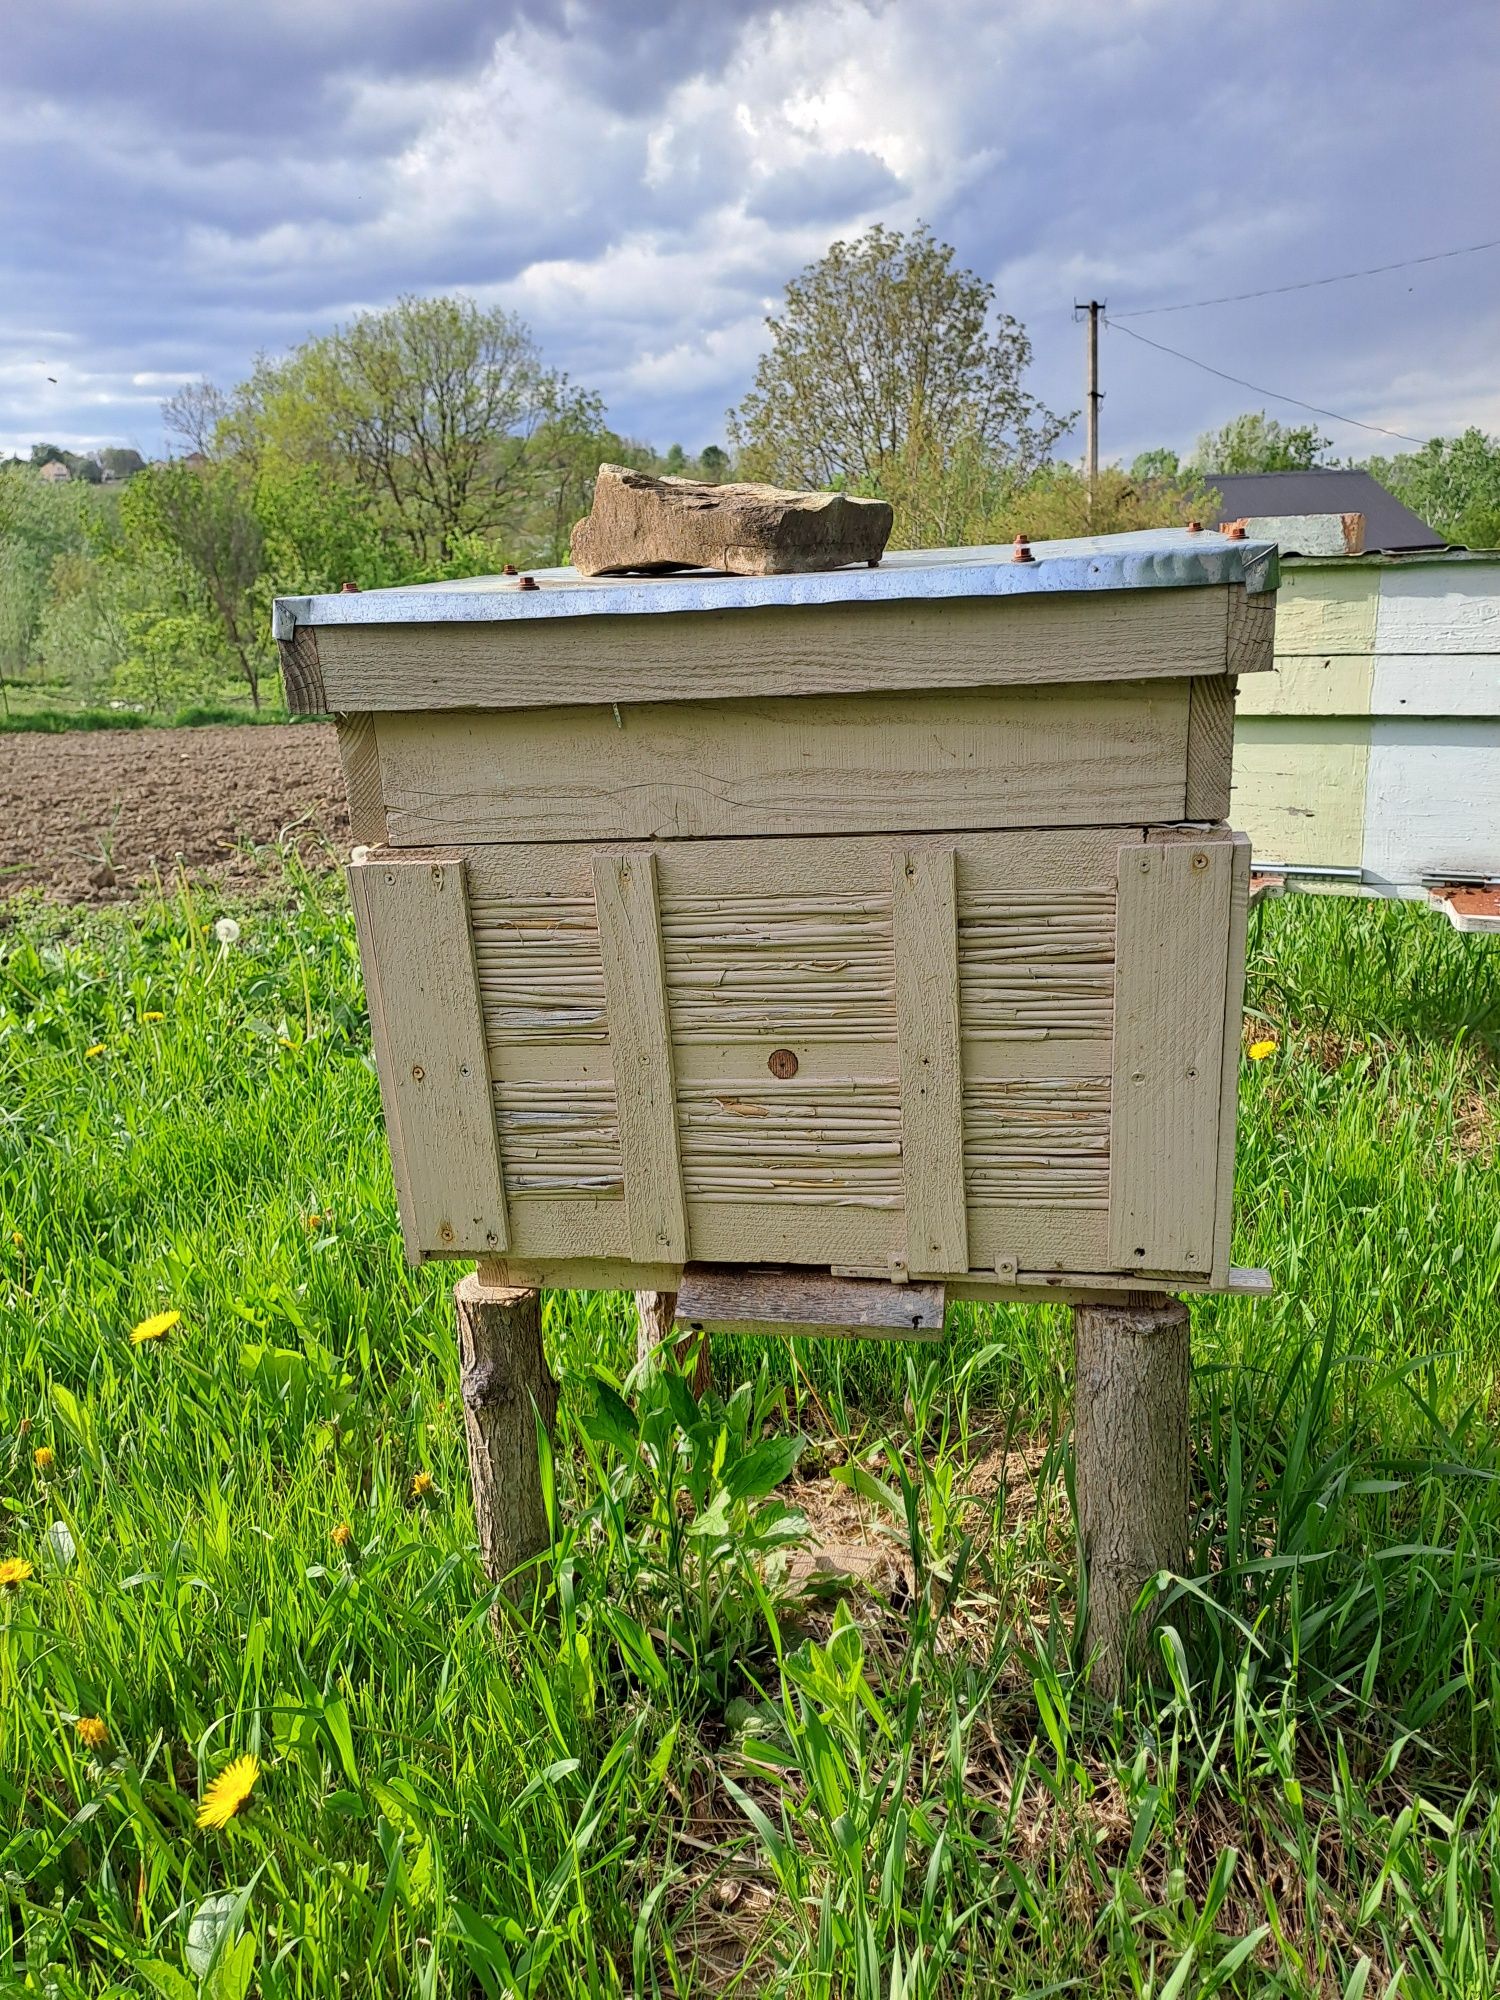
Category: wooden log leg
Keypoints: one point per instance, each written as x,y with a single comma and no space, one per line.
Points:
654,1312
1130,1445
504,1377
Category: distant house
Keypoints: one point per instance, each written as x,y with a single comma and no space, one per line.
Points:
1390,528
54,471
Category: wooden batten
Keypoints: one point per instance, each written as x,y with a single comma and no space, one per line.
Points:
1172,919
924,914
640,1039
807,1304
1229,1075
412,917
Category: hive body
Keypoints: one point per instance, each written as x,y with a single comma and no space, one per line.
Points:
882,924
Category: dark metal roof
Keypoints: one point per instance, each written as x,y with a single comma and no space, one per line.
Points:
1388,525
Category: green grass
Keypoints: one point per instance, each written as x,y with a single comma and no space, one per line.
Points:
671,1779
53,707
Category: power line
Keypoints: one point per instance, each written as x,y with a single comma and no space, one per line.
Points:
1275,394
1310,284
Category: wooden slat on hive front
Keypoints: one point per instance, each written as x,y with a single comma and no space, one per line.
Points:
924,915
1229,1075
1172,927
412,918
640,1040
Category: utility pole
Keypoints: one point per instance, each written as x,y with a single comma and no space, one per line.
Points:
1095,395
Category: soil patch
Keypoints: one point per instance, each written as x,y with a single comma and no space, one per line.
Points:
93,816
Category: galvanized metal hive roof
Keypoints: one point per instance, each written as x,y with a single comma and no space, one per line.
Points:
1155,559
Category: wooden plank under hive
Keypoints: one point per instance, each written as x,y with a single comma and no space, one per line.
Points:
807,1304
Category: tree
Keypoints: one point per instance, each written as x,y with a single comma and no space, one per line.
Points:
202,517
1161,462
121,461
1453,483
195,414
1255,442
40,525
885,348
714,461
428,408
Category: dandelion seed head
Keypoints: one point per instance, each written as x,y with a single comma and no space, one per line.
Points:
227,931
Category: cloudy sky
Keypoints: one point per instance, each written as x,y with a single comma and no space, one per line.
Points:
184,183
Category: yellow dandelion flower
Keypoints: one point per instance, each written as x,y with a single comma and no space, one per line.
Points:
14,1571
1258,1051
18,1239
342,1535
154,1328
423,1486
92,1731
153,1015
44,1458
310,1222
97,1049
229,1793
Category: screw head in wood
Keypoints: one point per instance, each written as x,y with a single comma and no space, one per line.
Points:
782,1063
445,1232
1200,861
417,1073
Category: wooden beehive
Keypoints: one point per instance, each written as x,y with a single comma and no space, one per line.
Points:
1370,759
881,922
